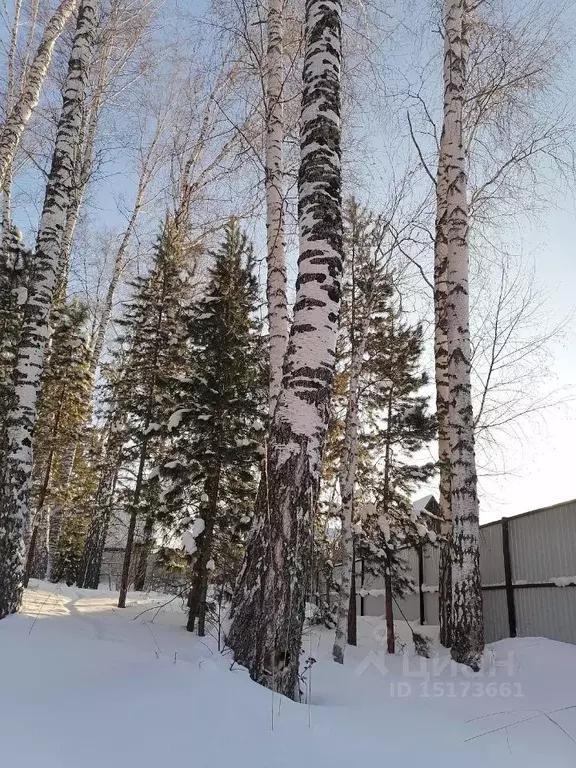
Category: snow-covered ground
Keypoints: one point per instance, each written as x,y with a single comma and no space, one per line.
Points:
85,685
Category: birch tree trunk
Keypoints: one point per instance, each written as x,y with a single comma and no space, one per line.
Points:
347,485
10,90
467,620
276,576
119,263
276,279
442,397
16,122
85,158
17,471
104,319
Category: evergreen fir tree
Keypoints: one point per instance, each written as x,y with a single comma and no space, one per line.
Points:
152,355
397,426
218,425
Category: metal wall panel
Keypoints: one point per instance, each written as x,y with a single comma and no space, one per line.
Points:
543,544
495,615
373,582
491,557
374,606
431,608
410,558
547,612
431,565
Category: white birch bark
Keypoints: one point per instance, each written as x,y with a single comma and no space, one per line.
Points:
347,479
85,159
467,620
276,279
276,577
10,89
17,472
16,121
119,263
442,398
29,47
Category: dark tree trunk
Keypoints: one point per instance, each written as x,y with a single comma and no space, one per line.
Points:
143,555
198,593
422,604
390,641
31,555
125,579
91,563
445,593
202,607
352,621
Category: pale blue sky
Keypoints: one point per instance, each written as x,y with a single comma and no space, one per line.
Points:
545,467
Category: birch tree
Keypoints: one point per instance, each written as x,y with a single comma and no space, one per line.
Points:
347,482
276,279
270,70
512,70
467,619
20,114
150,162
277,571
119,60
10,93
442,398
17,469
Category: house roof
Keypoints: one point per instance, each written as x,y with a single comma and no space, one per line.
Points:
421,505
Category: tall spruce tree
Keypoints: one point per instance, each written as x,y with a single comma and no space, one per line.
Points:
152,354
79,493
218,426
397,425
